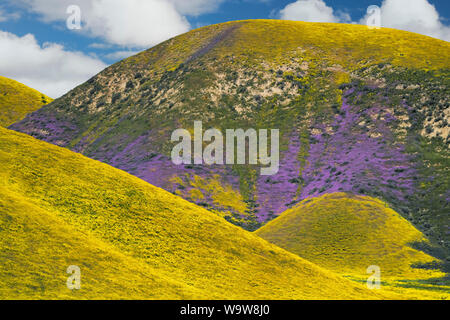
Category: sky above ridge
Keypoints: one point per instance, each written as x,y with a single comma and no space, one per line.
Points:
55,45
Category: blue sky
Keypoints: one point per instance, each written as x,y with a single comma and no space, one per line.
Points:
54,59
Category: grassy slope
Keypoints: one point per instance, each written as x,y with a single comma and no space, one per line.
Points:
350,46
131,239
17,100
347,234
37,247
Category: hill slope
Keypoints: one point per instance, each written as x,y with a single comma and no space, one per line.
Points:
361,111
37,247
18,100
131,239
348,234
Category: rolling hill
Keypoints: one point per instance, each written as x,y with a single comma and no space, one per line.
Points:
37,247
360,111
131,239
17,100
348,233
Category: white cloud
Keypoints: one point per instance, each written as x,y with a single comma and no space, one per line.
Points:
413,15
196,7
310,11
139,23
130,23
48,68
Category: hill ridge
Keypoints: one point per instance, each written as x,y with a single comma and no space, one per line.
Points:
17,100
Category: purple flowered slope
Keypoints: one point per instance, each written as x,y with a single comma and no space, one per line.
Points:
275,193
353,160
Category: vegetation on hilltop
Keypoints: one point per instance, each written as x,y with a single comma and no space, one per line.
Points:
18,100
348,233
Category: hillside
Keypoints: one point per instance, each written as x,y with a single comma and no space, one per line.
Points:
37,247
348,233
361,111
130,239
17,100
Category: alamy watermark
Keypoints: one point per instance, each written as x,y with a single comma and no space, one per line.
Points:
74,280
374,281
240,147
373,18
73,22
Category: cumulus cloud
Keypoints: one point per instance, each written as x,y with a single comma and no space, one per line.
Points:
133,23
418,16
48,68
310,11
130,23
139,23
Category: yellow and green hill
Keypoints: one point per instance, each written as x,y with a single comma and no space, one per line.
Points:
37,247
348,233
130,239
17,100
